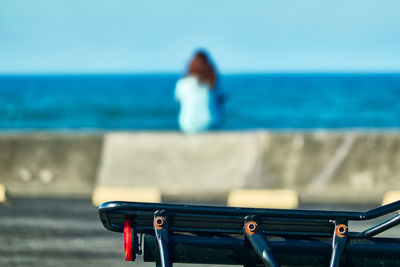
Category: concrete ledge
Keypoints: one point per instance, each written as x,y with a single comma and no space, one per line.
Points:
277,199
173,162
3,196
49,165
331,167
391,197
106,193
340,195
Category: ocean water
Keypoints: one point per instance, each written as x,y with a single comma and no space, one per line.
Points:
145,102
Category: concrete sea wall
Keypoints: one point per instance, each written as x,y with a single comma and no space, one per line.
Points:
46,165
347,166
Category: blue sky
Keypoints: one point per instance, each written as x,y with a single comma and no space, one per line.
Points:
103,36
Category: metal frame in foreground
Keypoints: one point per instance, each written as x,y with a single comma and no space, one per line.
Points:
172,233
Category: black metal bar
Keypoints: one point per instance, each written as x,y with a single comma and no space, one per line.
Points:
258,241
135,242
395,206
214,235
339,240
161,232
290,251
377,229
126,207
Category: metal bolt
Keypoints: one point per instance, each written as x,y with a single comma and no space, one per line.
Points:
159,222
341,230
251,227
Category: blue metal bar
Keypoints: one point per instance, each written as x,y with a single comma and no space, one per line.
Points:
379,228
290,251
339,240
126,207
258,241
162,235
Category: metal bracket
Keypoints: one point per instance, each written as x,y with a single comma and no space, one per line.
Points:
160,224
339,240
258,241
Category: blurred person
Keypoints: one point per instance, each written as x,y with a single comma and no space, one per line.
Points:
201,102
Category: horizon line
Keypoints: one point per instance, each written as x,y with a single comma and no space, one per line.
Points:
110,73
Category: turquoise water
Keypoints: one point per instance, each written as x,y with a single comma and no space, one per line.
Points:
145,102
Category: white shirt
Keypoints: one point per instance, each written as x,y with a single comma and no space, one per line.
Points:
197,113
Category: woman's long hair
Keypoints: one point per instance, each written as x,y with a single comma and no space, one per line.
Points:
201,67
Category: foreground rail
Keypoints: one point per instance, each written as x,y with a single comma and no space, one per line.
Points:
170,233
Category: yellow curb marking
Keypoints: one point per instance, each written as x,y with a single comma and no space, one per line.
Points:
391,196
3,197
276,199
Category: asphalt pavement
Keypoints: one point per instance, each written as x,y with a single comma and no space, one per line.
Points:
60,232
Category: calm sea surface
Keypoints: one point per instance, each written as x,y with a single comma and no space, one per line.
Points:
145,102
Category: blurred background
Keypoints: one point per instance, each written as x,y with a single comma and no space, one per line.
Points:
87,113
